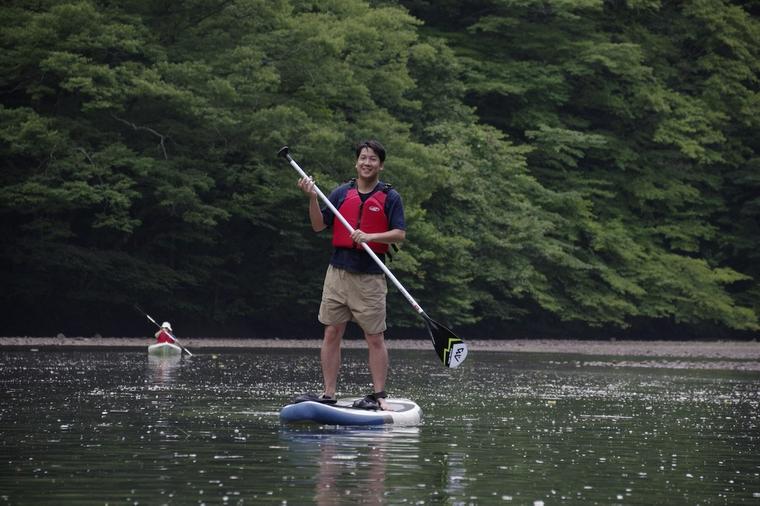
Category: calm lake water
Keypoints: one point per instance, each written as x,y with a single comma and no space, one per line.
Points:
118,427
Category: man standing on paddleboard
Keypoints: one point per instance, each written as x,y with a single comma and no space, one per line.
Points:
355,286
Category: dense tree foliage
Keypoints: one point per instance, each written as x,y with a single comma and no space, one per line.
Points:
593,163
644,116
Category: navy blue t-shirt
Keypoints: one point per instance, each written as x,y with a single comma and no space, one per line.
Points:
358,260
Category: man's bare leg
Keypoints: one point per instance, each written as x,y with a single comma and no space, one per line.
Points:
378,363
330,356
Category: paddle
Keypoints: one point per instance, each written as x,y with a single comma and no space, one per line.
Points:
159,326
450,349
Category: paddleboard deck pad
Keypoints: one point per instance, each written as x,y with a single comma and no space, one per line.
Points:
401,412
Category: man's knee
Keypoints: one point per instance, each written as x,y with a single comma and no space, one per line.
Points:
375,340
334,332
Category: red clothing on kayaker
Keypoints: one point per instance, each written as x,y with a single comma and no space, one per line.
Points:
162,336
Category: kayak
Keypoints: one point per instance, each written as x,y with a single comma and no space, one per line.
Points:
402,412
164,349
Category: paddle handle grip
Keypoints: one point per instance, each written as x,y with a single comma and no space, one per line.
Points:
284,153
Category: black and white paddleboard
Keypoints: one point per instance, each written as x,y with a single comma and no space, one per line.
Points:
402,412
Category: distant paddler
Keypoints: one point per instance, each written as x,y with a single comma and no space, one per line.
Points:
166,342
164,334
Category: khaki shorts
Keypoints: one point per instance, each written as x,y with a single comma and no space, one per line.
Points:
350,296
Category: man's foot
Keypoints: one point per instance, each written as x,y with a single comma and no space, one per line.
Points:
324,399
372,401
327,399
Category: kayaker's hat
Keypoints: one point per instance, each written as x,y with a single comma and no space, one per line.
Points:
167,325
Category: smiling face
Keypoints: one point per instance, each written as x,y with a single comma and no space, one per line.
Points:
368,165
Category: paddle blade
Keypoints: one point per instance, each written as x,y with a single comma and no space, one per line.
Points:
450,349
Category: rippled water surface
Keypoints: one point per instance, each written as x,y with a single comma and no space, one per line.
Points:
96,427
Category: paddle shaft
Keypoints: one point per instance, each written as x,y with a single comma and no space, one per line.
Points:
350,229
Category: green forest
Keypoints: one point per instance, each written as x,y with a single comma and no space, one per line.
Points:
568,168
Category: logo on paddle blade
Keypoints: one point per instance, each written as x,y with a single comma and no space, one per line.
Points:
457,354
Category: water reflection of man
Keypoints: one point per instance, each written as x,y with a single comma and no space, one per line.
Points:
366,471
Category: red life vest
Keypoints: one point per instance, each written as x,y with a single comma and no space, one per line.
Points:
164,337
369,216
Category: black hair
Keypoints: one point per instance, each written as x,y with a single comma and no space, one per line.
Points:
374,146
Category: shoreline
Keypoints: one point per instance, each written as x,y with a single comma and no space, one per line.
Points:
738,350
